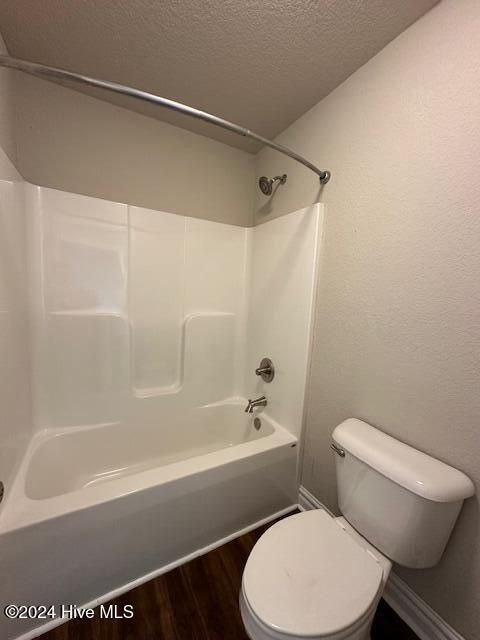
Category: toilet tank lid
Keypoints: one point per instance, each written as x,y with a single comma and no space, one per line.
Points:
415,471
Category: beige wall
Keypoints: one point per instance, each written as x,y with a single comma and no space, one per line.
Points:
70,141
397,328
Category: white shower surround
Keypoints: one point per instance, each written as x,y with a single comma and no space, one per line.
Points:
145,331
132,302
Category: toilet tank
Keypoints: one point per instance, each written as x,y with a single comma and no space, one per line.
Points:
401,500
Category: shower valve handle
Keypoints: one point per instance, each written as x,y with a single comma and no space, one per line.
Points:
266,370
261,370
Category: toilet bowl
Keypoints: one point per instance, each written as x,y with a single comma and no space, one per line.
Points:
312,576
315,576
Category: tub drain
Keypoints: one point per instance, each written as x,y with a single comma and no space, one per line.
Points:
257,423
2,491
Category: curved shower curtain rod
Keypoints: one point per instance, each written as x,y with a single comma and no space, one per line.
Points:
54,73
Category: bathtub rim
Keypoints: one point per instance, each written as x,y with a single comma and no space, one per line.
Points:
20,511
55,438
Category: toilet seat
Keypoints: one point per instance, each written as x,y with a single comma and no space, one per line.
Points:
307,577
257,630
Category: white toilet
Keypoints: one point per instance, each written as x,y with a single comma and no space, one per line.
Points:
318,577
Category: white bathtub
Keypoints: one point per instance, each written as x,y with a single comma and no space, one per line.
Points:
95,511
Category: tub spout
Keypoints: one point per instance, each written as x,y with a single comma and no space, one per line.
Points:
259,402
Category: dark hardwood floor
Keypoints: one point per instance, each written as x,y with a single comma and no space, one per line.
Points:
197,601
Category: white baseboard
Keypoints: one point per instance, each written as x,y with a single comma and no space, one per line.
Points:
307,500
419,616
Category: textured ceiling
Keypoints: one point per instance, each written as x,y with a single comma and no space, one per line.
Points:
260,64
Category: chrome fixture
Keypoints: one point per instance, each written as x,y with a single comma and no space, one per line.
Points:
338,450
266,184
2,491
266,370
259,402
55,73
257,423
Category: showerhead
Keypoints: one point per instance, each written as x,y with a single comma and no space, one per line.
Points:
266,184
